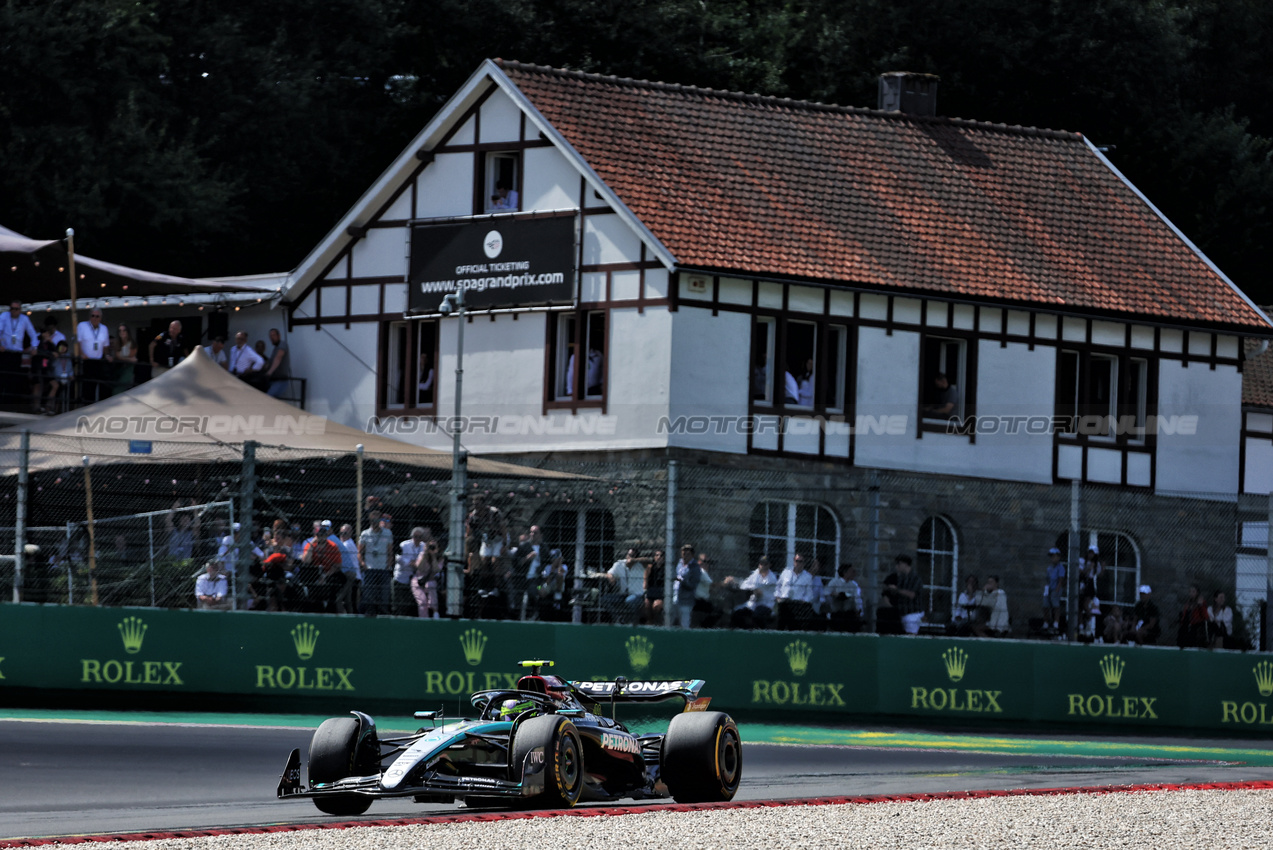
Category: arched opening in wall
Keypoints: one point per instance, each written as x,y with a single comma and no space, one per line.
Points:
937,563
585,537
780,529
1119,559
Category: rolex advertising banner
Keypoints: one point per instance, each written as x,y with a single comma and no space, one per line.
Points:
504,262
321,664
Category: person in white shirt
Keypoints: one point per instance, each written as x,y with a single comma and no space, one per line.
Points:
93,348
228,552
804,385
410,551
627,587
505,197
216,352
212,590
796,596
843,596
592,373
243,359
995,600
375,548
347,599
1220,622
967,607
17,337
758,609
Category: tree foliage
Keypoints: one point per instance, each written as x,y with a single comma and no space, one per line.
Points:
225,138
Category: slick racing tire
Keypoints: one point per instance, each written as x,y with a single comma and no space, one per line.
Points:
702,759
563,759
333,755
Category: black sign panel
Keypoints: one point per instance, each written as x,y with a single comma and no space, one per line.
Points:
499,263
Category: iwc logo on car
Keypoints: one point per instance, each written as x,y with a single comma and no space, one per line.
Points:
780,692
111,671
301,677
1250,713
976,700
1109,706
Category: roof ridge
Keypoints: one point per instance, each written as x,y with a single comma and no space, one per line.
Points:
789,103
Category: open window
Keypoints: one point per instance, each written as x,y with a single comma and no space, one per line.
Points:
1102,395
408,366
763,334
944,372
800,379
799,364
501,182
574,376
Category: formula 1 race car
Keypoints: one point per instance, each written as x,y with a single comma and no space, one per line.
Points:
544,744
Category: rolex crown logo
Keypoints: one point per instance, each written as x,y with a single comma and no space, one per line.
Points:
639,651
473,643
1112,669
133,631
305,636
1264,677
798,653
956,661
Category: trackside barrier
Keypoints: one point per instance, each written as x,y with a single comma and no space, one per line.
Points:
133,657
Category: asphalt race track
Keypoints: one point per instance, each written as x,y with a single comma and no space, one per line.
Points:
60,778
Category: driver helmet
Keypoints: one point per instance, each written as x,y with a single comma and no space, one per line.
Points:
513,707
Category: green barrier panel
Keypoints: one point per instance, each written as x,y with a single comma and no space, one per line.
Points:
307,661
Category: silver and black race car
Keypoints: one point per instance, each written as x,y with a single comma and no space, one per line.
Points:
545,743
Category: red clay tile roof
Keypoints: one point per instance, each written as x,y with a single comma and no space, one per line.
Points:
1257,375
768,187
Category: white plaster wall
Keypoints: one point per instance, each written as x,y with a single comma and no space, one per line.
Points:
339,368
710,375
608,239
501,119
381,253
1011,382
1206,461
549,181
446,186
640,372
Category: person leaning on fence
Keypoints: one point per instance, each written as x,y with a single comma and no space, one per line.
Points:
409,551
798,591
625,591
17,338
375,549
758,610
994,620
655,576
212,589
347,600
424,581
685,586
905,595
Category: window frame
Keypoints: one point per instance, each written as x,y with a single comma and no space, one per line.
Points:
774,400
932,553
486,176
1130,374
963,418
1106,541
557,358
791,542
412,330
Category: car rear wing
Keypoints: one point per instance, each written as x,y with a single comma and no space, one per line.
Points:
638,690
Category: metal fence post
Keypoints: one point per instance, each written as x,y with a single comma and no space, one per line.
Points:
20,530
1072,559
150,550
873,551
70,567
669,544
247,517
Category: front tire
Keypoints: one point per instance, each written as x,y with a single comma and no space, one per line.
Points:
563,759
702,760
333,755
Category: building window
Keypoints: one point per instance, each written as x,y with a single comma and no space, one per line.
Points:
799,364
574,379
501,182
585,537
1102,395
937,563
945,389
781,529
408,366
1120,565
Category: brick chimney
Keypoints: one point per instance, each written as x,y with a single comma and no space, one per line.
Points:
912,94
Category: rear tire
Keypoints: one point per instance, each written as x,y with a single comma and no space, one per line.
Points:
702,759
333,755
563,759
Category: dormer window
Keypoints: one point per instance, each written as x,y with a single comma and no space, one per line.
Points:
501,182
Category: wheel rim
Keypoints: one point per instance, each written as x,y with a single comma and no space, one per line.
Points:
568,768
729,757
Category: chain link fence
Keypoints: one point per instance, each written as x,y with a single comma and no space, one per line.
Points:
139,533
